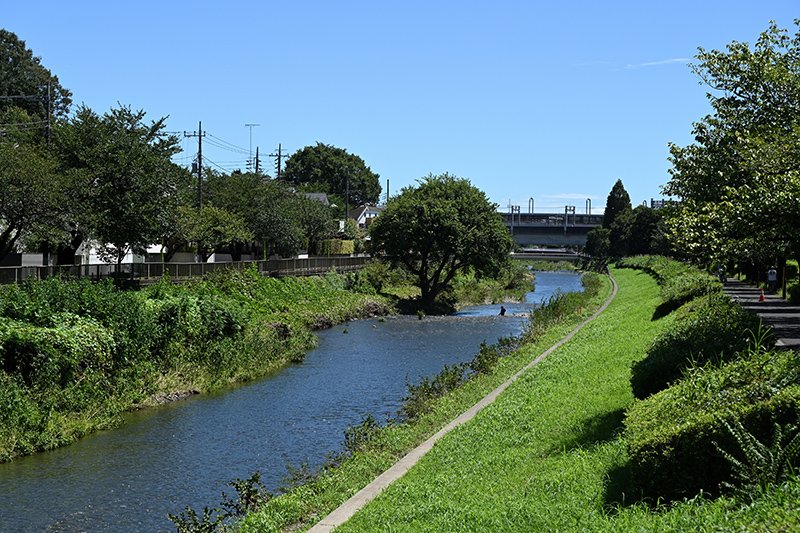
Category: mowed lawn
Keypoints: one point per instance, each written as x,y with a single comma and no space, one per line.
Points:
546,455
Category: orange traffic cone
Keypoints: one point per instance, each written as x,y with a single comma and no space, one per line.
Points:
761,298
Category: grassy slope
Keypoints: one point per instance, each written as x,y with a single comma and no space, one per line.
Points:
547,457
309,503
538,459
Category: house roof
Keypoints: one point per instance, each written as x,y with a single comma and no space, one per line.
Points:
318,196
361,211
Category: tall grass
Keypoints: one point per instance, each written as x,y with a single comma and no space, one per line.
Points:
75,355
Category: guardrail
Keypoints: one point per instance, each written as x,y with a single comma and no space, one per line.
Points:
151,272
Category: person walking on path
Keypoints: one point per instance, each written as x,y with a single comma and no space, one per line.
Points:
772,279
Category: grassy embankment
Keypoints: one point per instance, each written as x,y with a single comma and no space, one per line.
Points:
75,355
369,450
568,448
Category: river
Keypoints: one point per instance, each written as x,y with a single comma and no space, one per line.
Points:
184,453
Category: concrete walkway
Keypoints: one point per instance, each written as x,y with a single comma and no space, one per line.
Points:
781,316
344,512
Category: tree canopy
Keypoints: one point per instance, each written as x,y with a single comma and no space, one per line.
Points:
24,81
442,226
326,168
739,182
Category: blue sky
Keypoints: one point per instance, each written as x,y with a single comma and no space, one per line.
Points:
550,100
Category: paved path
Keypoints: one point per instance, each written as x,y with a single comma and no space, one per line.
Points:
344,512
783,317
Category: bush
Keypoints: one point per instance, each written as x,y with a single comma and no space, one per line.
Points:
673,436
336,247
680,283
709,328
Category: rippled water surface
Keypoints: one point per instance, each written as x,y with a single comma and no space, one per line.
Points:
183,454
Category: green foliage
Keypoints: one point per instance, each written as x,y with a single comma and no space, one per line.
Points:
618,203
710,328
333,170
561,306
673,436
76,354
679,282
336,247
251,495
761,465
361,436
29,199
22,74
420,397
440,228
211,228
738,181
598,243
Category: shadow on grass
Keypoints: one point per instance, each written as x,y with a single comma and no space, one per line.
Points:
665,308
596,430
619,491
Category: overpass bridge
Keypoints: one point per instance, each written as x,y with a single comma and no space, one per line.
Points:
551,229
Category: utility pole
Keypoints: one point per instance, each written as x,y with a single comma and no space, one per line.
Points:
199,134
258,169
277,157
49,111
250,155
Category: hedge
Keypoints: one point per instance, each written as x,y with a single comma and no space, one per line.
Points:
672,436
711,327
680,283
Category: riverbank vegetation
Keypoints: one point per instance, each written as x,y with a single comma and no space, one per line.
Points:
429,405
74,355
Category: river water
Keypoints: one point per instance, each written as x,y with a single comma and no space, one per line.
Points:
184,453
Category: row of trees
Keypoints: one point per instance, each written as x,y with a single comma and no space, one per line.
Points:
739,181
68,177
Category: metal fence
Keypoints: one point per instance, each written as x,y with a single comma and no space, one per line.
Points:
150,272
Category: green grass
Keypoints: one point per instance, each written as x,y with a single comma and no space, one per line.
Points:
548,454
538,458
307,504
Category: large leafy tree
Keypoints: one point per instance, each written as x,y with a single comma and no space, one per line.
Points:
134,186
211,228
24,82
739,180
326,168
442,226
315,220
29,193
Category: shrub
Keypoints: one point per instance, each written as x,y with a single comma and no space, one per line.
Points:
673,436
336,247
710,328
680,283
420,397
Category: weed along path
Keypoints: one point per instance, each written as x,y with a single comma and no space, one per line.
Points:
544,455
184,454
349,508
